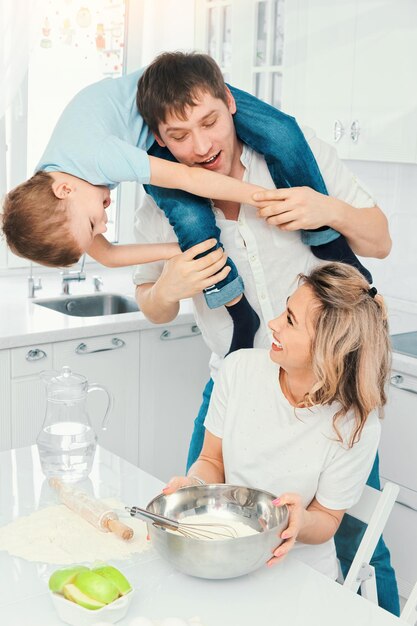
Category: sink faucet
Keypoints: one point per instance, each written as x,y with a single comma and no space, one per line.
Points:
33,284
98,283
69,276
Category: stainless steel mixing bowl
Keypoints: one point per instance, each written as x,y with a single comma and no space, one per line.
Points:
224,558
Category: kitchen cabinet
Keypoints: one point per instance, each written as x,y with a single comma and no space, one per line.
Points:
350,75
173,373
111,361
398,455
5,421
156,378
27,391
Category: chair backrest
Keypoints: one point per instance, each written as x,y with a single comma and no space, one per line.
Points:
373,509
409,612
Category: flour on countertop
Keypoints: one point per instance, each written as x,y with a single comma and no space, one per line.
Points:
59,536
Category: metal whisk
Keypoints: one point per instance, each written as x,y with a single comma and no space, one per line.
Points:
195,530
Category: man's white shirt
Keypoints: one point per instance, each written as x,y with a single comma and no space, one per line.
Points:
268,259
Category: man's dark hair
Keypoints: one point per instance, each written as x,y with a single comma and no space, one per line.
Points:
173,82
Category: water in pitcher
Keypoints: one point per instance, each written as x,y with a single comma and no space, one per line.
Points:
67,442
66,450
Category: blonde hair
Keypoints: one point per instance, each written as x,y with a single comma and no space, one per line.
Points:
35,223
351,352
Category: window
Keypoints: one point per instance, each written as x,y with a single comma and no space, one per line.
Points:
74,44
246,38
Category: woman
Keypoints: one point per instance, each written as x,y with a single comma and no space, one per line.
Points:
303,420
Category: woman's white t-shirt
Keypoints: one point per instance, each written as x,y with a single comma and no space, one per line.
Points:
269,444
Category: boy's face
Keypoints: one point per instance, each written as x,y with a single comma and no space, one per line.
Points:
207,138
87,206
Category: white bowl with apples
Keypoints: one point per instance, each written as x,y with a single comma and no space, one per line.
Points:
84,596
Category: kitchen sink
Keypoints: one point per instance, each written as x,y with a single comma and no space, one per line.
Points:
90,305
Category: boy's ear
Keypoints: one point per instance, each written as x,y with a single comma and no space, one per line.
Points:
61,189
231,103
159,141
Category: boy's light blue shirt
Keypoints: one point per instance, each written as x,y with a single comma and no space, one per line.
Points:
100,136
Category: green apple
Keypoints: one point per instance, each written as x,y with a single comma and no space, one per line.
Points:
116,577
62,577
71,592
96,587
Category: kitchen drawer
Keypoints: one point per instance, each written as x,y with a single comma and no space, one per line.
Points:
31,359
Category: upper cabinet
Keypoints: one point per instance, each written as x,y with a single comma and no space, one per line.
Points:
350,73
245,37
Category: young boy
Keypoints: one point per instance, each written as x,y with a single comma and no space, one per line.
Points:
99,141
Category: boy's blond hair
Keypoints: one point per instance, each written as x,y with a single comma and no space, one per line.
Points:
35,223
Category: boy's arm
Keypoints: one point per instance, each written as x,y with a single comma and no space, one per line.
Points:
198,181
112,255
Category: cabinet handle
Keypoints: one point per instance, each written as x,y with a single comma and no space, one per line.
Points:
338,131
397,380
166,335
116,343
36,355
355,131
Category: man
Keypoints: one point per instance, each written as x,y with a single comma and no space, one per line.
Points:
266,246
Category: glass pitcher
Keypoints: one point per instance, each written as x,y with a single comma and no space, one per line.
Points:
67,441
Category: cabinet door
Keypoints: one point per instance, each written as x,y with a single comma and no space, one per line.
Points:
28,397
173,373
352,63
398,446
384,96
111,361
318,60
5,405
398,454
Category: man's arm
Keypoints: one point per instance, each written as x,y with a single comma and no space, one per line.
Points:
208,467
297,208
183,276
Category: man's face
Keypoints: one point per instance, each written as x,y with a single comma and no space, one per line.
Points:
207,138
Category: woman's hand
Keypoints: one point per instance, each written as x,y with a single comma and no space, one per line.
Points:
296,208
295,523
176,483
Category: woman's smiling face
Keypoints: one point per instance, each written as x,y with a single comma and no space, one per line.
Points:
293,332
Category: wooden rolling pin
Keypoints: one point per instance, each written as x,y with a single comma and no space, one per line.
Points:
93,511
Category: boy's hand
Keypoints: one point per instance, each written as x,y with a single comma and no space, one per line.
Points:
184,276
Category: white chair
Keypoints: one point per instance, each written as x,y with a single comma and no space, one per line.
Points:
373,509
409,612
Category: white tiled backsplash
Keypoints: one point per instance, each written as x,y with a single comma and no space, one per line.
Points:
394,187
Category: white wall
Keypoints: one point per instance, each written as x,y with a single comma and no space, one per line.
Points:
394,187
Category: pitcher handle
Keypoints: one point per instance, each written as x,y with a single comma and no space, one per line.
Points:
96,387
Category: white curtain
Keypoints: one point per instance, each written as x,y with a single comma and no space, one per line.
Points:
19,28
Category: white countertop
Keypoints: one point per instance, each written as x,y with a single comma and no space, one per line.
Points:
23,323
289,593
